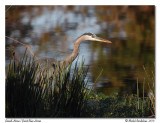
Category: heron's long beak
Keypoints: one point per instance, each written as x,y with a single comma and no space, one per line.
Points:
102,40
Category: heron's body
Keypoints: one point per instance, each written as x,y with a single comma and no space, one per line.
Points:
47,64
50,63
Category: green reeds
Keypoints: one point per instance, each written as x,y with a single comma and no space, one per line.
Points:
140,101
23,99
63,95
137,95
66,94
150,77
151,98
69,91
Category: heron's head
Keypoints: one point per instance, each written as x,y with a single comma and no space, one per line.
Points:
93,37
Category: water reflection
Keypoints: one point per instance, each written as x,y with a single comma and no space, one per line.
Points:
51,31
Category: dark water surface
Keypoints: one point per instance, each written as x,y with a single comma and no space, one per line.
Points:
52,30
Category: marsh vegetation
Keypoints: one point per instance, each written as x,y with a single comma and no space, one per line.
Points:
115,80
65,95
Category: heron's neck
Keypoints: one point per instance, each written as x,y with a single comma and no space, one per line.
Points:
74,54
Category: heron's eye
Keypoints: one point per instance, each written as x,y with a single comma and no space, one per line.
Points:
93,36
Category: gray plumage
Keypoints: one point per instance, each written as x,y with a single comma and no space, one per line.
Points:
50,63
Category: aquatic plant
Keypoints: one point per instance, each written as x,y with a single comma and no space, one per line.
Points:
64,95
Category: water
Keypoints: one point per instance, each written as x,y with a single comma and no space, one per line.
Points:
52,30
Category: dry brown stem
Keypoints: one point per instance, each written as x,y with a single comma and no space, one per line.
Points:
27,46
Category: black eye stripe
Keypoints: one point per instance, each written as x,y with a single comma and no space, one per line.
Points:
90,34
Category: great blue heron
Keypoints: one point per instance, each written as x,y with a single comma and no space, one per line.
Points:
50,63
